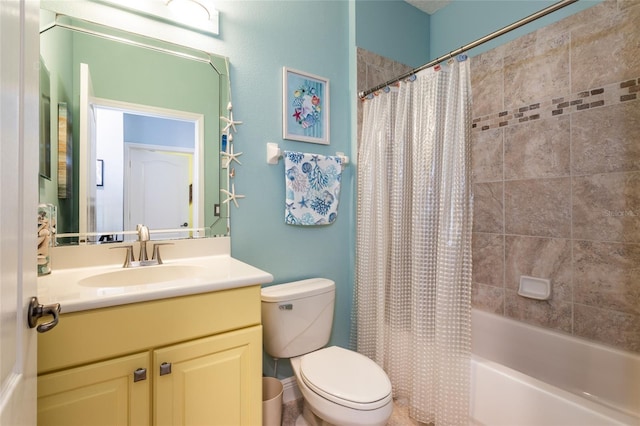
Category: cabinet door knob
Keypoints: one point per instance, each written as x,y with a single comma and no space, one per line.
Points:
139,375
165,368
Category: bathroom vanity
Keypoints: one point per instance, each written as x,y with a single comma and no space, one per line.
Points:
188,352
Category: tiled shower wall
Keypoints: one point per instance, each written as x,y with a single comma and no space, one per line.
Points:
374,69
556,170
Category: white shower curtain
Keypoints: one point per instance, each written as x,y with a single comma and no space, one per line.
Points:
413,254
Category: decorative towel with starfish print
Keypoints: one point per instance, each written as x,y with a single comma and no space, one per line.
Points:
312,185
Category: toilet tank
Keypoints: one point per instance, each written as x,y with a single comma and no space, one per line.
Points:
297,316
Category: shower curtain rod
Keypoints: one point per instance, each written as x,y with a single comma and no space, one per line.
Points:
478,42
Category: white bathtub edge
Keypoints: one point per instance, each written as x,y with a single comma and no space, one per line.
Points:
502,396
587,369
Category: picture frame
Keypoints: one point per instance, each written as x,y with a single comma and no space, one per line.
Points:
99,173
305,107
65,152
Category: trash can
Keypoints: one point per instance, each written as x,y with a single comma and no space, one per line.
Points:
271,401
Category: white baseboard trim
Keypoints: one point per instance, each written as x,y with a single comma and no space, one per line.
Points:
291,392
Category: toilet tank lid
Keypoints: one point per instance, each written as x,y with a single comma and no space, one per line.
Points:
297,289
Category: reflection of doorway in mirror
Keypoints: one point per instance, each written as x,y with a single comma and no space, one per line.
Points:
152,165
157,189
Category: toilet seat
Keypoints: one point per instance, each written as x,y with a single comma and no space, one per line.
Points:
346,377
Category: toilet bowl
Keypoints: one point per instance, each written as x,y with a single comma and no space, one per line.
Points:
339,386
343,387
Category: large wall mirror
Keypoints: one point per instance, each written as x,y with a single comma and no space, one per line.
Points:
130,133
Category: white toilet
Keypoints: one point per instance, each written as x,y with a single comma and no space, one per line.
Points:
339,386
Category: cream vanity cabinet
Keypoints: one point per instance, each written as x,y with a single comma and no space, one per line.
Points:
190,360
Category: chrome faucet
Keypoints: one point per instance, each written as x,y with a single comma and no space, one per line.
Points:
143,237
143,258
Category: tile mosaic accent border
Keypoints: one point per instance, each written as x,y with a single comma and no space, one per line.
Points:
611,94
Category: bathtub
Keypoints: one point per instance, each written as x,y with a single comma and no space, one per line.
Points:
528,376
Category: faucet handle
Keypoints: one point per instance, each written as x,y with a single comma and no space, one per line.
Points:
129,257
143,232
156,252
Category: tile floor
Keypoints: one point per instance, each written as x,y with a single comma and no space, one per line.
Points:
400,416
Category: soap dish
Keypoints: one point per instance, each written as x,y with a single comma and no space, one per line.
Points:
535,288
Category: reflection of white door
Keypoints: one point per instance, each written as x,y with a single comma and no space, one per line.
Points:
18,199
87,187
157,190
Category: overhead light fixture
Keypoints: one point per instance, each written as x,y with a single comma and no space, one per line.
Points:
189,9
199,15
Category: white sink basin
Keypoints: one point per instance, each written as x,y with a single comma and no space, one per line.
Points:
79,285
144,275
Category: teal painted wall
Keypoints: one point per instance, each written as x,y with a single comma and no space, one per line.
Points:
393,29
261,37
464,21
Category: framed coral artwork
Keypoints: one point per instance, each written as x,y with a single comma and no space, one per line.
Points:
305,107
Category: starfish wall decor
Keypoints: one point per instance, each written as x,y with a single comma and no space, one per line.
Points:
232,196
230,155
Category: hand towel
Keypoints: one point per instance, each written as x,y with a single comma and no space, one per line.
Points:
312,186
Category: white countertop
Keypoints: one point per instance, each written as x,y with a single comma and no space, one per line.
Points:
214,272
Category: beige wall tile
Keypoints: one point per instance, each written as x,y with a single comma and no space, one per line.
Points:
488,259
522,47
540,71
588,16
487,83
488,207
606,139
400,69
552,313
374,69
607,207
606,275
624,4
606,50
609,327
570,170
377,75
362,73
541,258
486,156
538,207
487,298
537,149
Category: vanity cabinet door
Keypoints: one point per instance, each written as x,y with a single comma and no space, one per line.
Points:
103,393
210,381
